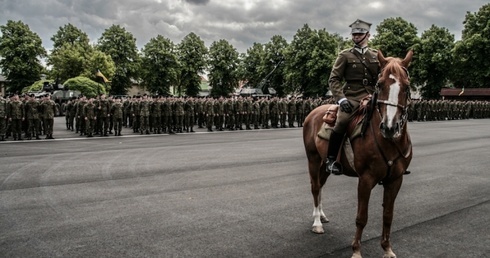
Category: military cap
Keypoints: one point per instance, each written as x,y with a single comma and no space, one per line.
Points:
360,26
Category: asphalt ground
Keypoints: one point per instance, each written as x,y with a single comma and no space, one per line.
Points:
233,194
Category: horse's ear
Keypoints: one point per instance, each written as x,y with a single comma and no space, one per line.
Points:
381,59
408,59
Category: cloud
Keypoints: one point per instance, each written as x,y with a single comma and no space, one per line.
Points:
240,22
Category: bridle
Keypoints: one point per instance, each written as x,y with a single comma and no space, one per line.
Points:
404,118
404,108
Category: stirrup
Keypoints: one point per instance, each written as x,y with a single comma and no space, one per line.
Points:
333,167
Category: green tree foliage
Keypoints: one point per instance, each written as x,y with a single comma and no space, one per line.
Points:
20,52
192,54
395,37
120,45
223,62
434,61
86,86
310,57
67,61
471,54
252,68
160,66
72,56
274,64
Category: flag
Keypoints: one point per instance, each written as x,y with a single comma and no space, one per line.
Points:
99,74
461,93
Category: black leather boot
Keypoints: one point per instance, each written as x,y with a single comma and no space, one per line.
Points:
333,151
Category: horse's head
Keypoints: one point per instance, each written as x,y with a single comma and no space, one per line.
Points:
393,94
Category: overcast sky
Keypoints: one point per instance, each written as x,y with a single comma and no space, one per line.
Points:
240,22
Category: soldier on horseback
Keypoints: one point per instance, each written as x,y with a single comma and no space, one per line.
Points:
353,77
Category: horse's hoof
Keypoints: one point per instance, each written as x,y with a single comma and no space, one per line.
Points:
356,255
317,230
324,219
389,254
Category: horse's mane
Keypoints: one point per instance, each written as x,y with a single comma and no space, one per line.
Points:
394,67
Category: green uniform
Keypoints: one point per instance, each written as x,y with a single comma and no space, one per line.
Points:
90,116
3,118
117,116
16,116
32,114
360,73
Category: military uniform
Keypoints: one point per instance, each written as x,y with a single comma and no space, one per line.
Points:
3,118
32,114
103,115
144,112
189,115
49,110
117,116
156,115
16,115
209,112
358,67
80,118
90,116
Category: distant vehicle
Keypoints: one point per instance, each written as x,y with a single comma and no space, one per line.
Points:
59,95
252,92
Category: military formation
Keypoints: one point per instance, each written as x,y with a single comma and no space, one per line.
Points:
437,110
103,116
26,117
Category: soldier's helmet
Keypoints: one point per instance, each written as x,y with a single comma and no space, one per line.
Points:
360,26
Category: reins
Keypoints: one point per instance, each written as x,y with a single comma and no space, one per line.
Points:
405,154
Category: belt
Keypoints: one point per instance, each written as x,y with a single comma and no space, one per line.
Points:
364,82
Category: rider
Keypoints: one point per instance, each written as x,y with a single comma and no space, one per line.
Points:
353,77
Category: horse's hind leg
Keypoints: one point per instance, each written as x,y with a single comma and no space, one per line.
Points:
317,180
390,192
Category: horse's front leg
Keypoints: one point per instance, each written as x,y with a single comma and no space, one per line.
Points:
317,180
390,192
364,188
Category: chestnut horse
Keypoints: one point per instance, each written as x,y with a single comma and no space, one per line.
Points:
381,155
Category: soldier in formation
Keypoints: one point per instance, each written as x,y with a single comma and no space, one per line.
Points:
159,114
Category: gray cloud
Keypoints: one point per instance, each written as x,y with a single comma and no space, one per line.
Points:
241,22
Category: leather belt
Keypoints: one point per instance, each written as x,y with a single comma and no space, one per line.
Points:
364,82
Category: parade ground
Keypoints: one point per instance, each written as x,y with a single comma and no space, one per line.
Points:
234,194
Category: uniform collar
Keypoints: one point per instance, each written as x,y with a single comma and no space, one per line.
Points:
361,50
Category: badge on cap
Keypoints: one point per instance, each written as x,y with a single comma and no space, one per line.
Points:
360,26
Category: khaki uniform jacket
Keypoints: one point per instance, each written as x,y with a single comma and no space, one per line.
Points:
348,74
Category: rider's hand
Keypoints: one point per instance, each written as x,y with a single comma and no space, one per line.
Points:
346,106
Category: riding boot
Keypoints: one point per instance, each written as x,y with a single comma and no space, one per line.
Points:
333,151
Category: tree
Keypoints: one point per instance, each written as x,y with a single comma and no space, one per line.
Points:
471,63
223,62
20,52
86,86
120,45
193,59
274,64
434,60
160,66
310,57
395,37
252,68
72,56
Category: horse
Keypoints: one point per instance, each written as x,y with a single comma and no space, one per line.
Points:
382,152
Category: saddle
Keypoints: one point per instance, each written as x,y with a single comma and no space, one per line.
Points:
359,123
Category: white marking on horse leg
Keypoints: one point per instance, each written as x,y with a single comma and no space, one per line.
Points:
317,223
392,98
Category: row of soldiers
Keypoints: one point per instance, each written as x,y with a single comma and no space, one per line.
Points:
436,110
158,114
29,115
